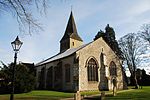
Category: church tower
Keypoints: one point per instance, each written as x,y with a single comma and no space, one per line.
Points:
71,39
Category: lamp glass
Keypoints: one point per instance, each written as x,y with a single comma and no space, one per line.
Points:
16,44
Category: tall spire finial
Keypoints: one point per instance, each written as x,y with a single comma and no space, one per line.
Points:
71,7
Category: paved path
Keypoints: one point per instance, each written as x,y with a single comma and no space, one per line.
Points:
67,99
92,97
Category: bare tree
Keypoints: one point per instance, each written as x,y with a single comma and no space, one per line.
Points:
23,11
145,32
131,47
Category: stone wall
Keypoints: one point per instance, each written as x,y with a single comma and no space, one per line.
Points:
65,86
75,43
77,61
95,49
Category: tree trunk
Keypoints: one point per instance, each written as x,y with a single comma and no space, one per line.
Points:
135,81
134,73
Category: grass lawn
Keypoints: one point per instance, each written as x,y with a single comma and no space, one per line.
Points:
39,95
130,94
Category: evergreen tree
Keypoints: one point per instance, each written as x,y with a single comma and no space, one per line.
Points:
111,41
109,37
99,34
110,33
24,79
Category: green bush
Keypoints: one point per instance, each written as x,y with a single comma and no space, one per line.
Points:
24,79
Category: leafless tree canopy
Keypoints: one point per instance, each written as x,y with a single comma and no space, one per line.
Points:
145,32
132,48
22,10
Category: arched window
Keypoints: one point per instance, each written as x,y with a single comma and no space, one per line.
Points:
113,69
49,79
67,73
58,71
42,78
92,70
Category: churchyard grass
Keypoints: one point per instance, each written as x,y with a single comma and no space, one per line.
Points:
130,94
39,95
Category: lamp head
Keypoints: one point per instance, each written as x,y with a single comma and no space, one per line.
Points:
16,44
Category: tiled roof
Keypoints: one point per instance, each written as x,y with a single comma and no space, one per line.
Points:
61,55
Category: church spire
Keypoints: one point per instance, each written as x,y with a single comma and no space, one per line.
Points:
71,39
71,26
71,30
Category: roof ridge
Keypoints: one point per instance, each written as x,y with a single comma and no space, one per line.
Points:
63,54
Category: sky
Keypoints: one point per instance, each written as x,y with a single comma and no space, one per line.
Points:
125,16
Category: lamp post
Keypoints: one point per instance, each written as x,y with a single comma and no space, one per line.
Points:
16,46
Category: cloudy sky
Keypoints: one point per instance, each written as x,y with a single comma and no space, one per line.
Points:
124,16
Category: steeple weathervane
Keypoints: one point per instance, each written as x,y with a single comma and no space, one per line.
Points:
71,7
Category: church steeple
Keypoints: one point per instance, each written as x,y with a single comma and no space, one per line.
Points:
70,35
71,27
71,30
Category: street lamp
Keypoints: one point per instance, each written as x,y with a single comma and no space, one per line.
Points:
16,46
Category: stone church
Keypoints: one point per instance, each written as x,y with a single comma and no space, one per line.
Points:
79,66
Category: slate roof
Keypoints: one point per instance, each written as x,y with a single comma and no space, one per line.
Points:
62,55
71,30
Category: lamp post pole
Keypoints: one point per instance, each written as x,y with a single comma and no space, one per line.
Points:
13,77
16,46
